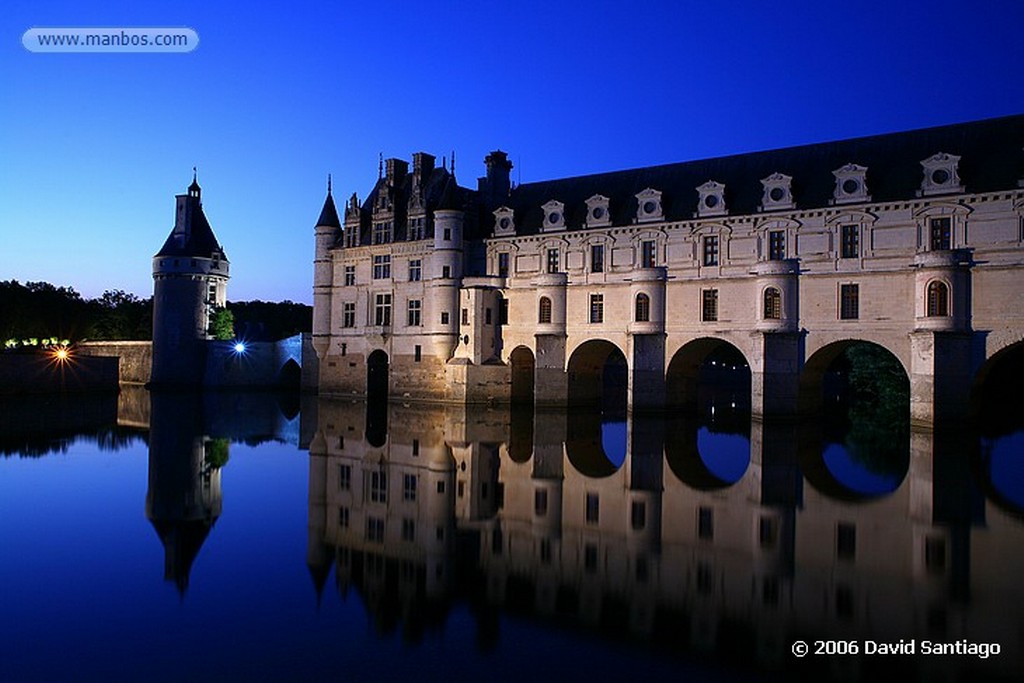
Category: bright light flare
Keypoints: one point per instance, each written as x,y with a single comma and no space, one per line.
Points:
61,354
239,347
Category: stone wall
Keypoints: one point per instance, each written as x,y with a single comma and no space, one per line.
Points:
135,357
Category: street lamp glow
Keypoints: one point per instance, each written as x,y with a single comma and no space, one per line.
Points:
239,347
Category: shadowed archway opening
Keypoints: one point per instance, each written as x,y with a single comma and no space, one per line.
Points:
377,398
290,375
708,377
857,444
999,421
523,366
598,378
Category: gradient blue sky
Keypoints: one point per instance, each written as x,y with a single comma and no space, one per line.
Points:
93,147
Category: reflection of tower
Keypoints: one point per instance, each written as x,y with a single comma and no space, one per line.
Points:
190,276
184,496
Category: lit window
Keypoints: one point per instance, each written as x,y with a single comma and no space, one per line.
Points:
643,308
938,299
647,254
544,310
597,308
709,305
849,302
850,237
711,250
772,304
941,229
776,245
552,260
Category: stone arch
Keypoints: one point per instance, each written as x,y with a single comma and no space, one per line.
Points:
818,363
377,398
598,376
290,375
994,394
709,360
523,366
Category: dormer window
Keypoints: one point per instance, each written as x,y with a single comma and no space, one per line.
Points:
851,185
648,206
598,214
778,192
711,199
554,216
504,222
941,174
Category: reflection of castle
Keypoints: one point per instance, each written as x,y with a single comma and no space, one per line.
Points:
656,543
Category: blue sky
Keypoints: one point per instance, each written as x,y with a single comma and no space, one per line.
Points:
93,147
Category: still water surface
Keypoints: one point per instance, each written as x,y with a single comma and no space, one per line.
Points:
235,537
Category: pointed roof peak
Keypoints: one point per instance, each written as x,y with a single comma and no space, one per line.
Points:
329,214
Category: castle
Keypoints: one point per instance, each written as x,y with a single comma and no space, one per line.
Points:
913,241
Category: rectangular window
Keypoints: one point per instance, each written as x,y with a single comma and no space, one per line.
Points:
415,447
409,487
850,241
377,486
375,529
597,308
415,270
593,508
488,316
776,245
711,250
465,316
942,229
846,541
415,229
648,254
350,275
552,260
540,502
343,516
352,236
503,312
638,515
415,306
503,264
382,267
348,314
709,305
705,523
344,477
444,317
417,353
849,302
382,232
408,529
446,271
597,258
440,487
447,234
382,310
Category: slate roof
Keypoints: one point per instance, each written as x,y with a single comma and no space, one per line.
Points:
329,214
198,241
991,154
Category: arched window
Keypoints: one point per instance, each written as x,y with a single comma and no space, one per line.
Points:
772,304
544,310
938,299
643,308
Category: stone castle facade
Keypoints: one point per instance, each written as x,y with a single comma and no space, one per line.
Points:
912,241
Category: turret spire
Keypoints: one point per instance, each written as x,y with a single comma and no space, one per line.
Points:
328,184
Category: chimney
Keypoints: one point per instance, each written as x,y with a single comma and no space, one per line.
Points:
422,166
396,170
498,179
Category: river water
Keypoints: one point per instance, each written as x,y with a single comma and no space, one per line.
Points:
257,537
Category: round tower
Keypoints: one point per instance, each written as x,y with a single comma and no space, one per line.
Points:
190,278
328,228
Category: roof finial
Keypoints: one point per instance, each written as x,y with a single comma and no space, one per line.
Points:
453,162
380,165
195,173
328,184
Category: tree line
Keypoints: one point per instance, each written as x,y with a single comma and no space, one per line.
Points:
40,310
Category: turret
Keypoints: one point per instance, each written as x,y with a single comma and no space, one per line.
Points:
328,229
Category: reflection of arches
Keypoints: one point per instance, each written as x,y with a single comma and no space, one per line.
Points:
520,441
706,369
377,375
833,471
598,376
995,393
595,446
290,375
523,367
686,461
